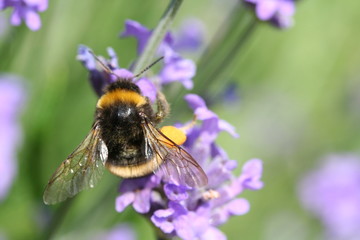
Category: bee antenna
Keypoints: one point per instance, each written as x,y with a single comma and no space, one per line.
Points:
148,67
106,68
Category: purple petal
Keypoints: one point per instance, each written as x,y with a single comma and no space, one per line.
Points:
210,129
217,172
266,9
32,20
191,226
86,57
167,227
164,213
225,126
231,165
142,201
287,8
223,212
16,17
213,233
161,219
124,200
175,193
177,69
205,114
251,174
178,208
163,223
135,29
42,5
123,74
238,206
147,88
113,58
195,101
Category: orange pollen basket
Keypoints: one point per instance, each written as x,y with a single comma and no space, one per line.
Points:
175,134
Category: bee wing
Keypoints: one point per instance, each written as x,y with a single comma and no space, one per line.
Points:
81,170
176,164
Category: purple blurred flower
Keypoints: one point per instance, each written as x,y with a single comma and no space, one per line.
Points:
190,36
332,193
11,101
278,12
195,213
175,68
119,232
25,10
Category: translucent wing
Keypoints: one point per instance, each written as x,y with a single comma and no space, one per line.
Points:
177,165
81,170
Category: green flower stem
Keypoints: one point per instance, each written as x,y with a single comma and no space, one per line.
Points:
224,48
157,36
220,52
222,36
219,73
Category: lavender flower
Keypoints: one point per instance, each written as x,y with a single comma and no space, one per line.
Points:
278,12
332,193
100,78
172,206
11,100
176,68
25,10
192,213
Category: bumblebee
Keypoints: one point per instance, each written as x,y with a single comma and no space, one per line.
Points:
125,140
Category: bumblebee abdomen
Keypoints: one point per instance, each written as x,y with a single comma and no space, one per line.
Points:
129,160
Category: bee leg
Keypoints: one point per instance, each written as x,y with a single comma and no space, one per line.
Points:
163,107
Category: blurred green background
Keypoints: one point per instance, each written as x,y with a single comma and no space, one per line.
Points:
299,94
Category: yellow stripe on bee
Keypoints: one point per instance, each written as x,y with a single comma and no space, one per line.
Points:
135,170
174,134
120,95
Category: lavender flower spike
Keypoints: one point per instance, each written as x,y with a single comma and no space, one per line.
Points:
176,68
332,193
172,205
11,101
25,10
195,213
